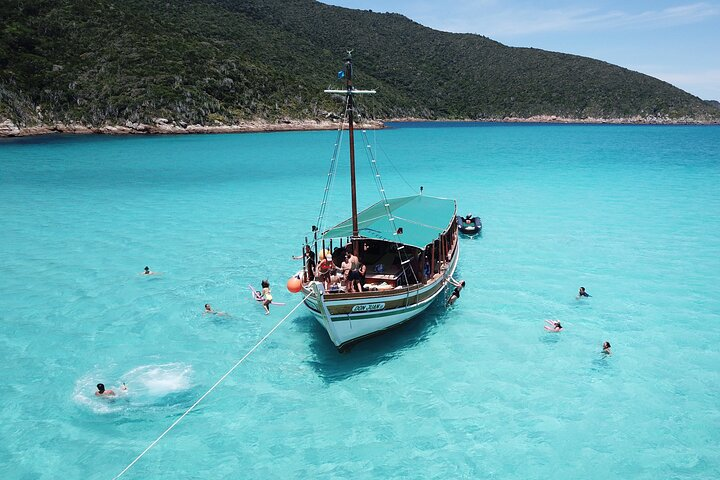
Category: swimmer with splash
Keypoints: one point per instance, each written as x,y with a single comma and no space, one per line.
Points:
102,392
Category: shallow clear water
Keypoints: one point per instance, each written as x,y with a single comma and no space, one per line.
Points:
477,391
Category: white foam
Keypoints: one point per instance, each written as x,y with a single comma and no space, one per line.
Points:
145,385
158,380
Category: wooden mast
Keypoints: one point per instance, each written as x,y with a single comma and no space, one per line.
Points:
351,114
350,91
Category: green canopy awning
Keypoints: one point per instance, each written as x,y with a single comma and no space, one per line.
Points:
422,219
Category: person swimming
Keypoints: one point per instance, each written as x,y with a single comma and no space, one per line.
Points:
209,310
102,392
606,348
582,293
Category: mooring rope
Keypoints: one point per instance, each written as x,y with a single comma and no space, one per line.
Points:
211,389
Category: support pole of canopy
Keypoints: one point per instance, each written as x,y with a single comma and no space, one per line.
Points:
441,257
317,260
432,260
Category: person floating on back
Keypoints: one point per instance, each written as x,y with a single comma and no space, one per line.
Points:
582,293
553,325
267,296
456,293
606,348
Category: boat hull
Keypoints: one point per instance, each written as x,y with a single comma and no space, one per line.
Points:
348,318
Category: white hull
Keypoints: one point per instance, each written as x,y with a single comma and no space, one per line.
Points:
347,328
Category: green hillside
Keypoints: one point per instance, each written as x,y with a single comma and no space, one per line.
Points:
221,61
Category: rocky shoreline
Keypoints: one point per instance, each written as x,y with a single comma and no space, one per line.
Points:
636,120
163,127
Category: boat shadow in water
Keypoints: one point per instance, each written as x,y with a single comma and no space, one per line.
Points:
332,365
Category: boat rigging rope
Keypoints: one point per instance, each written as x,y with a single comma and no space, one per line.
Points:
333,169
372,161
387,157
211,389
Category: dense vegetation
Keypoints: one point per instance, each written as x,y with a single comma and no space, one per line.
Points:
221,61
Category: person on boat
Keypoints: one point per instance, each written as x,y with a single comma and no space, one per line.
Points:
346,266
309,257
352,278
361,272
102,392
324,271
468,218
267,296
351,270
582,293
606,348
456,293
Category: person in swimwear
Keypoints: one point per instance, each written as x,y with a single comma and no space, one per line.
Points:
554,325
101,392
267,296
353,277
361,272
147,271
324,271
606,348
456,293
582,293
209,310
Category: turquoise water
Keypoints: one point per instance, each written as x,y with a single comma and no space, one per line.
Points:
477,391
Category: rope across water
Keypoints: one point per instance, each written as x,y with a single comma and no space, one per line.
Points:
211,389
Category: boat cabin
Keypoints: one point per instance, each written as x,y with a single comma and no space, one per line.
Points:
425,237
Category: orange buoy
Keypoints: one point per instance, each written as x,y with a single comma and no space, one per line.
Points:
294,285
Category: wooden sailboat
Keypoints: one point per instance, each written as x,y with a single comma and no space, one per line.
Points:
404,251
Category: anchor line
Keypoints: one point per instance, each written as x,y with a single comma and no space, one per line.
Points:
237,364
